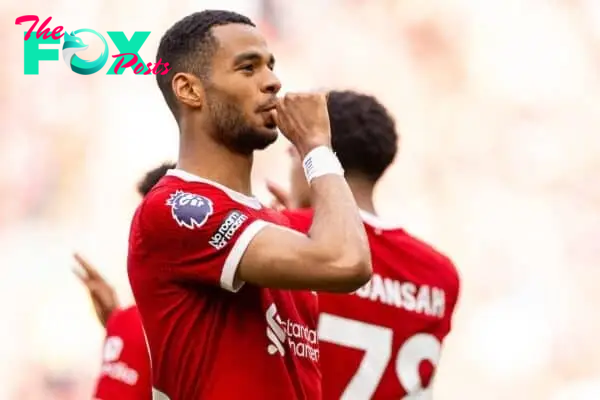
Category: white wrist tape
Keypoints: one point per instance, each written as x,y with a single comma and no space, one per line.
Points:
321,161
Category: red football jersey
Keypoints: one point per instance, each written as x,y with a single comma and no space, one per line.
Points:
210,336
125,372
384,340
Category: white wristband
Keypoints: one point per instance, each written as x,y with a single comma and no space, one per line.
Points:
321,161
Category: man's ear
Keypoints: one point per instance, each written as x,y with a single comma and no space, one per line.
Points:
188,89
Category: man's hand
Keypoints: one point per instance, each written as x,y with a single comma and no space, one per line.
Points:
281,199
334,255
303,118
102,294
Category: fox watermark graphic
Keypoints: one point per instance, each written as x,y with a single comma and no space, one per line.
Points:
128,56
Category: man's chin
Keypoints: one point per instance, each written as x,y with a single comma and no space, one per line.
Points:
271,132
259,139
268,136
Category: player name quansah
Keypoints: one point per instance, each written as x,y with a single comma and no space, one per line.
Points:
225,232
423,299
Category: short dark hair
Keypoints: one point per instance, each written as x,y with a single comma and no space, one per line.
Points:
152,177
188,46
363,133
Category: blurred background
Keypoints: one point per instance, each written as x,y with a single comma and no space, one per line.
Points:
498,105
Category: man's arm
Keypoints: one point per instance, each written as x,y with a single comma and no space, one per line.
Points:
204,237
335,255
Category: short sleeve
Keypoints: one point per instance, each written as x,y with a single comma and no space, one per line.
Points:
300,219
199,234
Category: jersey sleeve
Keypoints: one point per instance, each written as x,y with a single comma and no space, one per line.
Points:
199,234
300,219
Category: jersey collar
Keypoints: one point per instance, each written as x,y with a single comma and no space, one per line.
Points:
248,201
376,222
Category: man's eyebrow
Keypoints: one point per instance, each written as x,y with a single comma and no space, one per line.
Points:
253,56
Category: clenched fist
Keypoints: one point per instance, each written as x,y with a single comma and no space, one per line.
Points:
304,120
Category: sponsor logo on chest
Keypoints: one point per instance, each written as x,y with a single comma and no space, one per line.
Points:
301,340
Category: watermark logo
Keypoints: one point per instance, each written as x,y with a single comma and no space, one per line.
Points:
128,56
73,45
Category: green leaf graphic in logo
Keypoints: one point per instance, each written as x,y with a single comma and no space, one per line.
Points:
73,45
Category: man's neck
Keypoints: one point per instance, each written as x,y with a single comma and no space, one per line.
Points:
202,156
362,189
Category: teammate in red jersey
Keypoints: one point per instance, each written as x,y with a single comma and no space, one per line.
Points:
384,340
125,371
210,268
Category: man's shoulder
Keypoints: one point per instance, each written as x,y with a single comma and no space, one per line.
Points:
405,242
172,192
415,257
175,203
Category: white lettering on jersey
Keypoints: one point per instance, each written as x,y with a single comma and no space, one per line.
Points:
112,367
275,332
121,372
227,229
302,341
113,346
422,299
376,343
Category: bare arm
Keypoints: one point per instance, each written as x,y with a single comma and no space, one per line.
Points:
335,255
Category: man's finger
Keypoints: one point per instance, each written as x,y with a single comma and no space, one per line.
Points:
91,271
273,113
277,206
82,276
281,196
103,296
